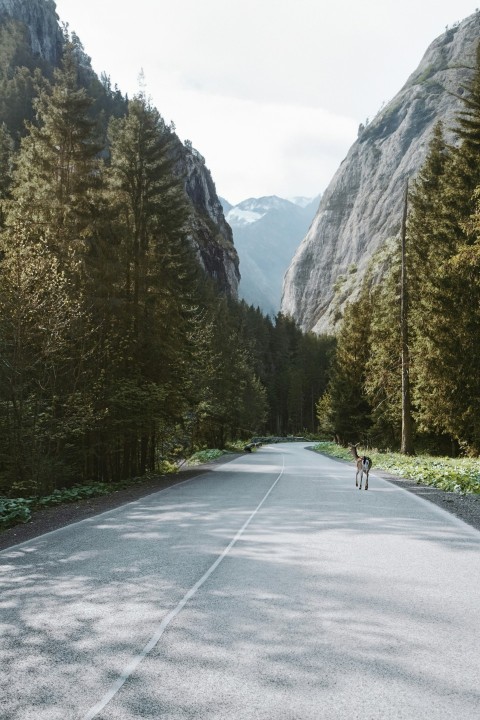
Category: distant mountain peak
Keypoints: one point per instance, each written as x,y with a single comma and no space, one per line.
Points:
253,209
266,233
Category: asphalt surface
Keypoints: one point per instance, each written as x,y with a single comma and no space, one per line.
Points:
266,588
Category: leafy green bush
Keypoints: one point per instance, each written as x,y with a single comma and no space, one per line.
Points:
77,492
166,467
203,456
14,512
451,474
235,446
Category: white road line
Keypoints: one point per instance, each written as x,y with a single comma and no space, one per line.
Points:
132,666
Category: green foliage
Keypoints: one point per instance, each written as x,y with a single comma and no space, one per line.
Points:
45,315
364,396
449,474
204,456
235,446
325,415
14,512
58,168
118,356
19,510
445,300
347,405
166,467
333,449
300,365
383,381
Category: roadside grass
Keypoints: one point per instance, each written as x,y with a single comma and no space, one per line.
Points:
204,456
460,475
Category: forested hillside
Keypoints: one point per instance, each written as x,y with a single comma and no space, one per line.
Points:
120,344
439,337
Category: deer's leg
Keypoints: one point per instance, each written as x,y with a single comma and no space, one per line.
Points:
356,479
366,481
361,478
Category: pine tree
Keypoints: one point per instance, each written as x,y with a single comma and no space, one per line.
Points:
406,444
350,408
383,381
445,312
158,273
237,397
59,171
50,219
285,336
37,323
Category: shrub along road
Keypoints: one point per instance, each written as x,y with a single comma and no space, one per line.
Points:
267,587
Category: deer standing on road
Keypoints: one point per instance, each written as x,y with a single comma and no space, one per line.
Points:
363,466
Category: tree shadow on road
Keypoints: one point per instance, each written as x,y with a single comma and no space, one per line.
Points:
326,607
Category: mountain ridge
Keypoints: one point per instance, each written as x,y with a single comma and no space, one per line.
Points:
362,206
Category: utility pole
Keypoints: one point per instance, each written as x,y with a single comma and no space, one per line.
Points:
407,424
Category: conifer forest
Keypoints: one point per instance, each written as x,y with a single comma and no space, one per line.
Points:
117,351
439,282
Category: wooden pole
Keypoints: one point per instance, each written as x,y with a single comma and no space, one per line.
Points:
407,423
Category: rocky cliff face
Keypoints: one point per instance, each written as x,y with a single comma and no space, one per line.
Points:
362,207
210,234
41,19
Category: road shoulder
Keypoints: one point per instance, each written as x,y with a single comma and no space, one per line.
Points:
53,518
464,507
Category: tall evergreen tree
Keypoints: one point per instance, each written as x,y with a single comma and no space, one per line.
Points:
383,380
157,271
59,171
406,445
349,408
49,221
445,333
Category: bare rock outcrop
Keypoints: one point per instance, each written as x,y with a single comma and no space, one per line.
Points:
210,234
41,20
362,207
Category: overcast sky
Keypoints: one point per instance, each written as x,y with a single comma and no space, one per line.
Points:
271,92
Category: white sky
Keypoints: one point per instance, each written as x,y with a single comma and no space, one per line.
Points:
271,92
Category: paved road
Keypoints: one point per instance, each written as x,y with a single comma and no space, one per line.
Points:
268,588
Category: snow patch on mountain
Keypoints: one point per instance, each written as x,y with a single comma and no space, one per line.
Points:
300,200
238,216
254,209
